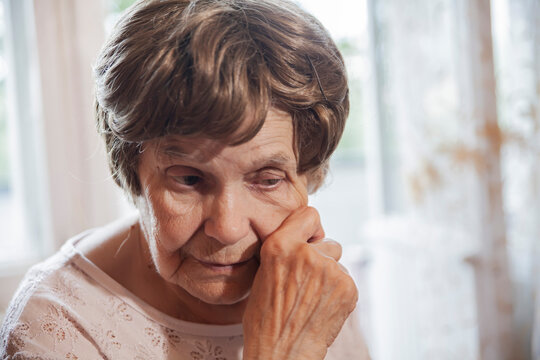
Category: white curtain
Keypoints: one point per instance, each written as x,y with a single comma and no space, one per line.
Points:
456,222
518,52
69,35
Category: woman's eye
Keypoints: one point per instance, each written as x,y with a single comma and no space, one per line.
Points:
188,180
269,183
184,176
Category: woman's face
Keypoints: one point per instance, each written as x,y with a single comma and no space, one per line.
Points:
205,207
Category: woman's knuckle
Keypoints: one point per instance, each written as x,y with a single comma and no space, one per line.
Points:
313,214
351,292
308,256
347,286
272,248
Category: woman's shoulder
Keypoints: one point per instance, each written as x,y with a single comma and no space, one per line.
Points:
100,243
56,302
40,315
69,271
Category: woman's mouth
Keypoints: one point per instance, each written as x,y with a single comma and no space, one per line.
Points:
225,266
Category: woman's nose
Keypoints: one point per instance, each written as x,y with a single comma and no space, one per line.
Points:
227,220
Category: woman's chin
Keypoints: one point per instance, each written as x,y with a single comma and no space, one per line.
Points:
221,295
217,285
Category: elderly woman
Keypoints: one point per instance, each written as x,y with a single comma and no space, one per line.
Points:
219,117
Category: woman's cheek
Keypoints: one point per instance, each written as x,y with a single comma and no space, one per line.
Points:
177,220
277,207
178,216
294,195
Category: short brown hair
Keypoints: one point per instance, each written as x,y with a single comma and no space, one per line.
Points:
201,67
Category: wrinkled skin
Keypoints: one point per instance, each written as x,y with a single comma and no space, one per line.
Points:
230,235
301,295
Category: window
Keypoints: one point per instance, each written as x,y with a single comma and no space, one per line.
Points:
6,193
23,237
57,180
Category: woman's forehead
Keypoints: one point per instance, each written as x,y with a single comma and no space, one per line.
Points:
272,145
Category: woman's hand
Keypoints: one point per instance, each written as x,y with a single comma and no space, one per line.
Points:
301,295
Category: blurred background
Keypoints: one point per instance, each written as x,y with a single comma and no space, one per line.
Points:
434,191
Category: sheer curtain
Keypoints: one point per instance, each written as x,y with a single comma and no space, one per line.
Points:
518,69
455,224
69,34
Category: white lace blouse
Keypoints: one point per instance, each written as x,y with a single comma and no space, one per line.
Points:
68,308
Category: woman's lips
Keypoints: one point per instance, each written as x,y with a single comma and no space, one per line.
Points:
224,267
226,264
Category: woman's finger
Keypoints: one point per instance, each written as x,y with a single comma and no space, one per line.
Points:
328,247
301,226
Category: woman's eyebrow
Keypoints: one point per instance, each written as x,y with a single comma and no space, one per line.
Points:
173,151
277,160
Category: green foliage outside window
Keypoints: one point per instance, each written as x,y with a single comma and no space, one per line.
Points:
351,145
117,6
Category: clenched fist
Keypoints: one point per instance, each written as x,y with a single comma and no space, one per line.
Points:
301,295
